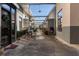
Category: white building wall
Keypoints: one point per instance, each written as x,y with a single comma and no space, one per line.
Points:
18,15
25,22
63,35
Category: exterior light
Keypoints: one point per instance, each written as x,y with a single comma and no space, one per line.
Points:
39,11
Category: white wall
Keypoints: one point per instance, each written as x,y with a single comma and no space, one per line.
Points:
18,14
65,33
25,21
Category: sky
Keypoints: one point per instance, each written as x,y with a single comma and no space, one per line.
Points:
44,8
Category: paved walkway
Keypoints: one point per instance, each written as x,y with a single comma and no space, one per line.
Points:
41,46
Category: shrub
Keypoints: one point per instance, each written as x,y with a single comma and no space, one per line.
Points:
20,33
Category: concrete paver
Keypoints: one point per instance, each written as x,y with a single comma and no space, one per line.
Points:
42,46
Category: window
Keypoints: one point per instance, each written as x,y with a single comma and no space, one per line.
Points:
59,15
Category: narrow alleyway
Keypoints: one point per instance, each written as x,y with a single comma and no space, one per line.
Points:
41,45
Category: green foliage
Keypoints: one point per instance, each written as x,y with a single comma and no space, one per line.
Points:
20,33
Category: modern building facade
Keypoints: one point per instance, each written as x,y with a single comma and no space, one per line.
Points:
13,18
63,18
19,20
67,25
7,24
26,16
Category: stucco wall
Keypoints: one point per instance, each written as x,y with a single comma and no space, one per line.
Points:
26,9
18,14
65,33
74,22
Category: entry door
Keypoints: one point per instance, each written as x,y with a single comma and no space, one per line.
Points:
5,28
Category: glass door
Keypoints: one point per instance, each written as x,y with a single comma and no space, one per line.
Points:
8,22
5,28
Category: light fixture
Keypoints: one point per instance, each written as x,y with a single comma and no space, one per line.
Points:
39,9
